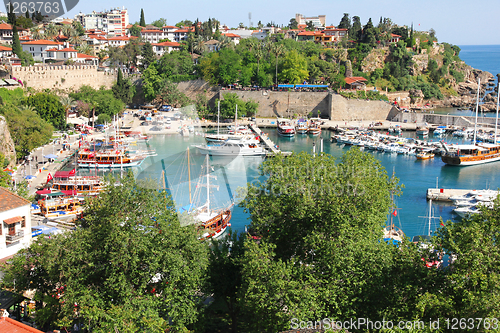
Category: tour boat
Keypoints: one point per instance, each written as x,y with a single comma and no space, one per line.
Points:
285,127
108,159
314,126
65,181
67,207
425,155
301,127
474,154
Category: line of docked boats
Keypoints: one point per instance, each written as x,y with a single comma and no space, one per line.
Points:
472,202
288,128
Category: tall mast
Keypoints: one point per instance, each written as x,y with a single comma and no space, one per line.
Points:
208,188
496,121
477,108
430,215
236,120
218,113
189,177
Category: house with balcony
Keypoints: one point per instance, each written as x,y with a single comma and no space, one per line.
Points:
333,35
234,37
5,51
38,48
6,33
395,38
165,47
15,220
306,35
120,40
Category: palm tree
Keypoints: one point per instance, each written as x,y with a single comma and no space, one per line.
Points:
67,103
50,31
85,48
75,38
279,50
36,33
258,55
67,30
225,42
199,45
26,108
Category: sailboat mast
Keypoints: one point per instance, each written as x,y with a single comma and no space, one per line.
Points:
477,108
496,121
430,215
218,113
189,177
208,188
236,120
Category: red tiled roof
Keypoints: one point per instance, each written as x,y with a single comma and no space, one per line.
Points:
171,44
182,30
67,49
5,48
170,27
351,80
152,31
85,56
307,33
41,42
13,220
119,38
9,200
231,35
393,35
5,26
9,325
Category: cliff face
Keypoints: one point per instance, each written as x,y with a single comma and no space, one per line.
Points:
6,143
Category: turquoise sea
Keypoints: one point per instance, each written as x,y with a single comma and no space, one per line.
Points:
416,176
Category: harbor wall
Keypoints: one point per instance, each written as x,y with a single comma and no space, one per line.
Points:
63,77
442,119
325,104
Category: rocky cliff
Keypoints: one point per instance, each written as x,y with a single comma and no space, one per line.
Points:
6,143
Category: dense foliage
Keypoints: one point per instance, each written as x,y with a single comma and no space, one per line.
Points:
129,268
102,101
49,108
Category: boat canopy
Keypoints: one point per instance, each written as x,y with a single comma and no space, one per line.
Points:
285,85
311,86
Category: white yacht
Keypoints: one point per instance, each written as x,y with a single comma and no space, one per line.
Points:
232,149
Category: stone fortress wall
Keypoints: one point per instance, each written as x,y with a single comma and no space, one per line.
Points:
63,77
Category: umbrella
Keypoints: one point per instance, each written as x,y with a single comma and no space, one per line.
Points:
51,156
29,177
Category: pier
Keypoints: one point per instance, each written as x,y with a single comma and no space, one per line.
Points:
444,194
268,144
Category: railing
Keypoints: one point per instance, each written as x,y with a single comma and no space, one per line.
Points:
12,238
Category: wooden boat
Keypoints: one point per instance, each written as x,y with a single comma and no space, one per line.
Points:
314,126
474,154
67,207
212,223
425,155
392,232
65,181
108,159
301,127
285,127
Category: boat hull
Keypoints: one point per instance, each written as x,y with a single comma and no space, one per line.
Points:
92,165
469,160
216,151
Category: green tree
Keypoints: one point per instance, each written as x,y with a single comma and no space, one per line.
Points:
152,83
293,24
77,26
49,108
356,29
228,106
123,89
345,22
135,30
161,22
142,21
129,268
294,68
148,56
170,94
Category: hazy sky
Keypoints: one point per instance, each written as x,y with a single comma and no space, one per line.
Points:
458,22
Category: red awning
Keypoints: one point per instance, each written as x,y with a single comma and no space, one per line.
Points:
63,174
72,192
46,191
13,220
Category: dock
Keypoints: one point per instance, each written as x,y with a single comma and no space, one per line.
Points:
444,194
271,148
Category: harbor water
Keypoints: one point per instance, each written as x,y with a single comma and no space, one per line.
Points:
416,175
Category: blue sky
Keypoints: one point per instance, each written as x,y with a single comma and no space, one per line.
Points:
459,22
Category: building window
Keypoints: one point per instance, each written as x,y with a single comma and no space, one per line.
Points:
12,229
23,222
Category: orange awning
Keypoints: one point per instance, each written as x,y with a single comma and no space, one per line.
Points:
13,220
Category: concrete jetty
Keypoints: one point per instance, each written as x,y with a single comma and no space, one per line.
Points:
444,194
271,148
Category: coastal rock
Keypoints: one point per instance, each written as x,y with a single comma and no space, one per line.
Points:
7,147
420,63
375,60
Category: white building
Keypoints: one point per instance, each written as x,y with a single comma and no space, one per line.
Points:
114,22
15,220
318,21
172,33
165,47
38,48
